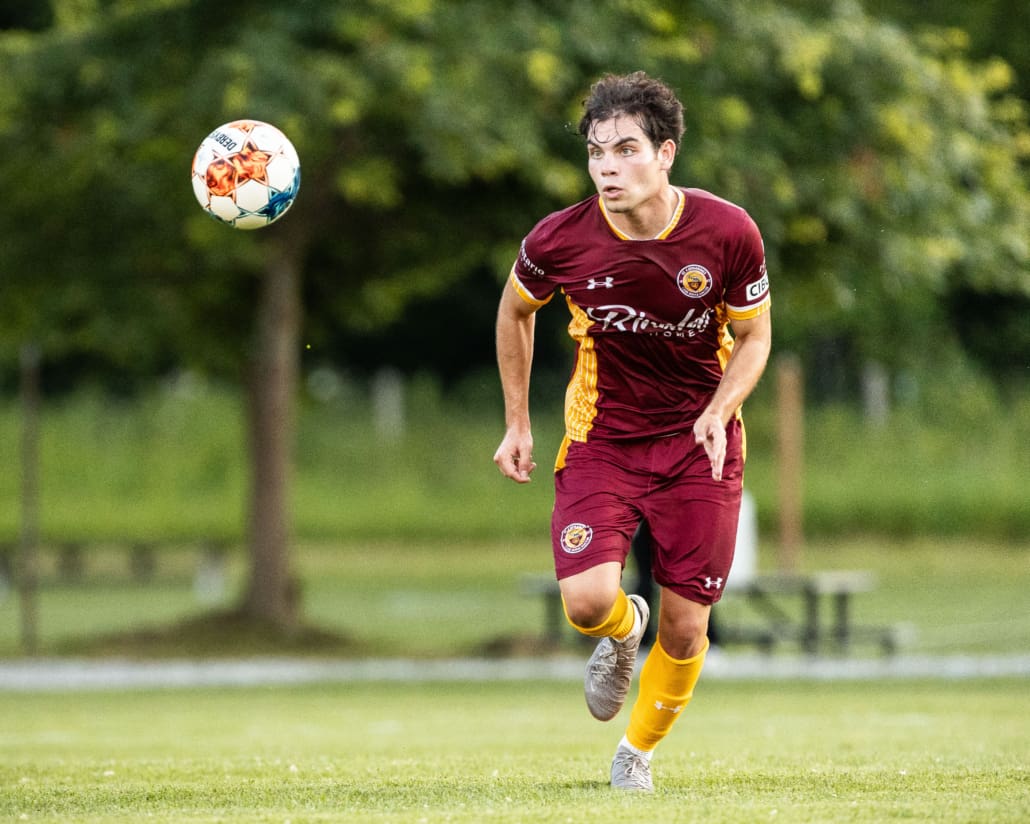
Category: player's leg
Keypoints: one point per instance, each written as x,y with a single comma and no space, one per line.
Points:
591,525
609,673
682,624
694,529
594,601
667,681
666,687
593,520
670,672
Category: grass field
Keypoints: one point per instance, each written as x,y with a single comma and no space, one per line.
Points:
415,548
515,752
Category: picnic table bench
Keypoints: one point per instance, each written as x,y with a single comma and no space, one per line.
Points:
768,594
814,630
70,561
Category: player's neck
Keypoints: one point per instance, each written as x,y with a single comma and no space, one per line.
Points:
651,218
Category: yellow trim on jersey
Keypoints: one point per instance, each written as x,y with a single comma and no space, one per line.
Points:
524,293
563,453
722,317
725,338
736,313
581,394
662,234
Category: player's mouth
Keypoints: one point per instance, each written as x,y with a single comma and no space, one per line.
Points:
611,191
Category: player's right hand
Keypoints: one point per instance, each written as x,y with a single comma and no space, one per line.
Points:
710,432
514,457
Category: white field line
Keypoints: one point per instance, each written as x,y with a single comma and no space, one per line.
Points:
58,675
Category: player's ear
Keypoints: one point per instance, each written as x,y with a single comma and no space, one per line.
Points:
667,155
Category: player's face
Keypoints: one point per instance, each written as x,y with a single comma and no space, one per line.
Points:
627,169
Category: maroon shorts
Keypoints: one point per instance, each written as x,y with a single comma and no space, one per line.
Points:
605,488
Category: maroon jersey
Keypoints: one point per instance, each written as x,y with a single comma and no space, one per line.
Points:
649,316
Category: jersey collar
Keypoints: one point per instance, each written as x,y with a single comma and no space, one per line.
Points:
673,221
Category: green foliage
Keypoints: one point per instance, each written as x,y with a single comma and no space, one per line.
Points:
885,169
884,172
992,28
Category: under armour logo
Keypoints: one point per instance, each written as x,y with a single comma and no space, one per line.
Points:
603,283
658,705
713,583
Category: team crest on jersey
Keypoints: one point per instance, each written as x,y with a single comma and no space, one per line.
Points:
576,537
694,280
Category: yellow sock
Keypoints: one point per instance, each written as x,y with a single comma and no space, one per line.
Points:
666,687
618,624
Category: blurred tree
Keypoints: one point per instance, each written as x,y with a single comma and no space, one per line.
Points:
26,14
990,28
990,318
884,172
420,147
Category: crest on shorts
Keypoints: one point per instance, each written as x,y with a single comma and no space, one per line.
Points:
576,537
694,281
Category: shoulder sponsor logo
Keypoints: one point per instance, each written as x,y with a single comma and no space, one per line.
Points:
528,266
694,281
759,287
576,537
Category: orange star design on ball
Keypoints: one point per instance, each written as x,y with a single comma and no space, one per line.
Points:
225,174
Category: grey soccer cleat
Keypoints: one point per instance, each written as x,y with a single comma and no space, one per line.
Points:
631,771
610,668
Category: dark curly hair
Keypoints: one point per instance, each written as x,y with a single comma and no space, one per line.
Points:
649,101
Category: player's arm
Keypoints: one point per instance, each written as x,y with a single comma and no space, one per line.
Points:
516,322
752,340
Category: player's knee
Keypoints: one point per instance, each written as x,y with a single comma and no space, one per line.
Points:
587,609
683,636
590,596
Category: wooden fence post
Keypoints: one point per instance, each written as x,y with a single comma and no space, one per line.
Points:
790,392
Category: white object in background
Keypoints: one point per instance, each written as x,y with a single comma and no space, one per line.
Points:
745,554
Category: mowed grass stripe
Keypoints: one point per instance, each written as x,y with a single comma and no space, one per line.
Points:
390,752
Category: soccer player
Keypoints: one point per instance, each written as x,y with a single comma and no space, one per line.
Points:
656,277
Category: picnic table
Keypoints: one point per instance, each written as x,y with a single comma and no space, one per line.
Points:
823,624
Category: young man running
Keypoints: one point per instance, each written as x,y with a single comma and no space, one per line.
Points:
655,277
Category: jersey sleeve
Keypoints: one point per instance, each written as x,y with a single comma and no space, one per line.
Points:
747,290
529,275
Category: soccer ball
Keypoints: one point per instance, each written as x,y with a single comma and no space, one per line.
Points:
246,173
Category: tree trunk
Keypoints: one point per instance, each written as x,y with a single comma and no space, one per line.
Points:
28,546
271,594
